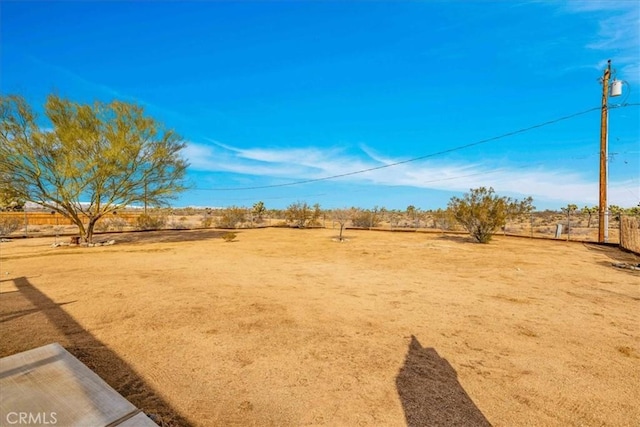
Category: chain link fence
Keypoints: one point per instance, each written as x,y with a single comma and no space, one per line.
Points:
623,229
575,226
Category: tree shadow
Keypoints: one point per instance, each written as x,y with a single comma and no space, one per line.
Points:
465,238
31,319
162,236
430,392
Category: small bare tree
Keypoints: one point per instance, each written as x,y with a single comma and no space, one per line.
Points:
342,217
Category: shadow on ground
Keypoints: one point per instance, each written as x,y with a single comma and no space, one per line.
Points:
457,238
430,392
613,252
163,236
30,319
619,259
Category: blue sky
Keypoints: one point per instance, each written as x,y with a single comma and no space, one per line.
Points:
268,94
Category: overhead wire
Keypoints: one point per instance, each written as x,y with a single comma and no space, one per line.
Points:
426,156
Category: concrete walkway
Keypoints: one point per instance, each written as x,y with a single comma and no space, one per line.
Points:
48,386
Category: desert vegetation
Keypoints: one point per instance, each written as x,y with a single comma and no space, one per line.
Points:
301,215
481,212
576,224
92,161
9,225
285,327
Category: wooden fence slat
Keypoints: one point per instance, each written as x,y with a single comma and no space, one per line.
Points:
630,233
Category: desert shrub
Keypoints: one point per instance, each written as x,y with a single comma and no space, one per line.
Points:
102,225
206,221
188,211
301,215
229,237
394,218
443,219
231,217
111,224
180,224
365,219
118,224
481,212
151,222
315,216
413,215
8,225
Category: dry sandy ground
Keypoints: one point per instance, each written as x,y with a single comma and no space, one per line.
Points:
289,327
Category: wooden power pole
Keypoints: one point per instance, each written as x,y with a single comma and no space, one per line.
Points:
603,223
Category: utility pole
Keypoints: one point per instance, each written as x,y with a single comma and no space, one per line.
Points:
603,220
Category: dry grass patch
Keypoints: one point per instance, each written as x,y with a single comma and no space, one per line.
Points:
287,328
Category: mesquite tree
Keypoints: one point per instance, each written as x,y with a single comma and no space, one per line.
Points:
87,160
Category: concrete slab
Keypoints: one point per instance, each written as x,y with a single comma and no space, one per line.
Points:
48,386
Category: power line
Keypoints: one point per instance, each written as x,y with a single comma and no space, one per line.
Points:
415,159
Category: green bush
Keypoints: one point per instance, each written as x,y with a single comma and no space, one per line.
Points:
481,212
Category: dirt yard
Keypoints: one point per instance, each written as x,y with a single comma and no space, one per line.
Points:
289,327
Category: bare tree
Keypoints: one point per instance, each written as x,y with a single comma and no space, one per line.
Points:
342,217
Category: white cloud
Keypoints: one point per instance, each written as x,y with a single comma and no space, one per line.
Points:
618,33
303,164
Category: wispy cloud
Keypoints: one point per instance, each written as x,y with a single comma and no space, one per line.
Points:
618,33
302,164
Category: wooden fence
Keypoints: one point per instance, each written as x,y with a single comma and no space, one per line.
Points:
47,218
630,233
